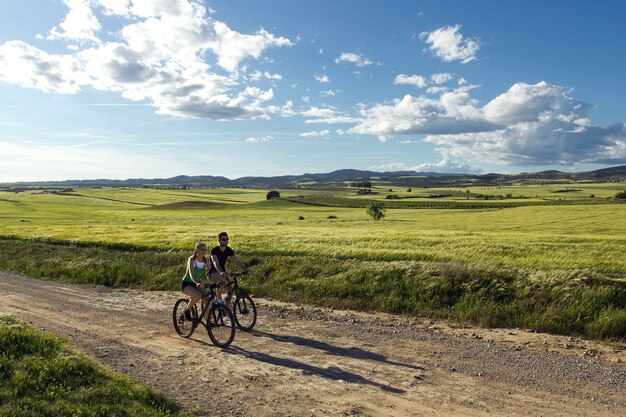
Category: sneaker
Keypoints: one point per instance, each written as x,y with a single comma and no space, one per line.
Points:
228,298
188,315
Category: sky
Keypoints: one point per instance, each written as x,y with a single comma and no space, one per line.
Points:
158,88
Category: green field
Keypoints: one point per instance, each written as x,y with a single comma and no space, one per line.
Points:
511,253
41,376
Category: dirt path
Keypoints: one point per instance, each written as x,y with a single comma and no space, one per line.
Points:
303,361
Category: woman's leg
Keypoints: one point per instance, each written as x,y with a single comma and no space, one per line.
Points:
194,294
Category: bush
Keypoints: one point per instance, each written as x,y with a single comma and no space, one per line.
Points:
393,197
272,194
621,195
331,217
300,217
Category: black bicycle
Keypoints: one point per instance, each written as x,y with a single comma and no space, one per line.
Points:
216,317
244,309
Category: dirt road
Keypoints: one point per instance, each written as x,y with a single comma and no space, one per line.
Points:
303,361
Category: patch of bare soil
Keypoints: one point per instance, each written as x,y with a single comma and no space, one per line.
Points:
305,361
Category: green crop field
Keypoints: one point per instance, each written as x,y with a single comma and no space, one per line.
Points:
550,257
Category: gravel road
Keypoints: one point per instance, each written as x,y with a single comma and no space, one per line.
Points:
306,361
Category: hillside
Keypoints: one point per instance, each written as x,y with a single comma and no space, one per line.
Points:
343,176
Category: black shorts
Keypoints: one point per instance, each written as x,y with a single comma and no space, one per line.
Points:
186,284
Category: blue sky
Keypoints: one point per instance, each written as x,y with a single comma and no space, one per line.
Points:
137,88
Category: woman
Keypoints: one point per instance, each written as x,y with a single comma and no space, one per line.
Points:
192,281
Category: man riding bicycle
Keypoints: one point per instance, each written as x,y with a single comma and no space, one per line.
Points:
217,273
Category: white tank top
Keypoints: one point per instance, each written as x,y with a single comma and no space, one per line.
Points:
199,264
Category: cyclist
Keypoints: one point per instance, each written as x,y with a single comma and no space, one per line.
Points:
218,274
192,284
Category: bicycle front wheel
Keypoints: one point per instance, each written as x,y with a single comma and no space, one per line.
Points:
220,325
244,312
183,327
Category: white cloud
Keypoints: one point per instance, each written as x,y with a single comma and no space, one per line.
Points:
446,165
441,78
356,59
416,80
448,44
530,124
79,24
315,134
161,56
27,66
322,79
328,93
260,139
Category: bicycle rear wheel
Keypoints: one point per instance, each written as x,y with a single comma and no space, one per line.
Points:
220,325
183,327
244,311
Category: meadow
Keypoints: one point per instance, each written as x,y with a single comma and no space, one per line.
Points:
548,257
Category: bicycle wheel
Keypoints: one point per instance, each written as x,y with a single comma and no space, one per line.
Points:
183,327
244,312
220,325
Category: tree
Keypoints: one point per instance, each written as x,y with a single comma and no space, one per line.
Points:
272,194
376,210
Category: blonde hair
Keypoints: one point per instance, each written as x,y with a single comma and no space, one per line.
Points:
195,250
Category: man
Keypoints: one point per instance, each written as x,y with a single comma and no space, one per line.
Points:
218,274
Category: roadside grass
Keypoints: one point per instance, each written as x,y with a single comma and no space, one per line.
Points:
577,301
557,268
41,376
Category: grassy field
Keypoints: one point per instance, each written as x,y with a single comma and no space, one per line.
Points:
549,257
41,376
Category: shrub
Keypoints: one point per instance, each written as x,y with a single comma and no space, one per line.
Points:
621,195
300,217
393,197
272,194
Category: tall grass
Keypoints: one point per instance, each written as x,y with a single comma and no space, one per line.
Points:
579,301
514,265
41,376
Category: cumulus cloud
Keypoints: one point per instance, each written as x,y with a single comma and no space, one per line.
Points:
416,80
530,124
165,54
449,44
422,82
446,165
80,23
356,59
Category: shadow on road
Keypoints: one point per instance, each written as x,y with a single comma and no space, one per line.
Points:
350,352
334,373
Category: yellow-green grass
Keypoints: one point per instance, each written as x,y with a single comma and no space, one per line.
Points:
551,267
40,375
564,237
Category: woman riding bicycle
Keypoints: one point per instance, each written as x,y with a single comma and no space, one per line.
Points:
192,284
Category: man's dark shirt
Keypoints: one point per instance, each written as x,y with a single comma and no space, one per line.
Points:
222,257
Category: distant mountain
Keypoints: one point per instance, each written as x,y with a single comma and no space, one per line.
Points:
343,176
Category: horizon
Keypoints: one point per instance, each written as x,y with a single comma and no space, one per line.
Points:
126,90
43,182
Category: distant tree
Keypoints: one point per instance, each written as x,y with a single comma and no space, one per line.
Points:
408,190
376,210
300,217
272,194
621,195
393,197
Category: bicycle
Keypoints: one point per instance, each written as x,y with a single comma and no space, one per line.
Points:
244,309
216,317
